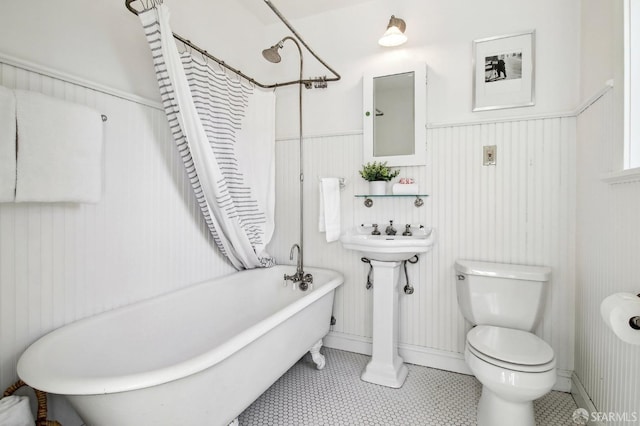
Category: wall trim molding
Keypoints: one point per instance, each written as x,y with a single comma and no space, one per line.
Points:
320,135
564,114
544,116
622,176
426,357
434,358
594,98
52,73
582,398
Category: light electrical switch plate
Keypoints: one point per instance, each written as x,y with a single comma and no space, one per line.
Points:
489,155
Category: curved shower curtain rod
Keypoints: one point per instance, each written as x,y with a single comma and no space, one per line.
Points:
306,82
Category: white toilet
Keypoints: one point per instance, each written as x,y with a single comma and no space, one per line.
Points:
515,366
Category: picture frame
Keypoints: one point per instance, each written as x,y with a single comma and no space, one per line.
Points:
504,71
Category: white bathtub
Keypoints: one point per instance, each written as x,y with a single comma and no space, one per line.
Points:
198,356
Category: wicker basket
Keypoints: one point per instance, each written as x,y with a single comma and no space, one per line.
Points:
41,418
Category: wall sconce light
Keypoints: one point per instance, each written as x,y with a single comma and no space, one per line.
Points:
394,35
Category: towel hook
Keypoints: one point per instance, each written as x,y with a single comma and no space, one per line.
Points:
184,48
222,68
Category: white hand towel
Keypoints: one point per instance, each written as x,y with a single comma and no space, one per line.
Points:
7,145
15,411
59,150
329,215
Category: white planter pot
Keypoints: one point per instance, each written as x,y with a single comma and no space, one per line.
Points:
377,187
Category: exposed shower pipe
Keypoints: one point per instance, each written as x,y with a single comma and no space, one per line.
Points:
272,55
307,82
306,46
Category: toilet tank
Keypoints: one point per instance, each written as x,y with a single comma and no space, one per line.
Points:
501,294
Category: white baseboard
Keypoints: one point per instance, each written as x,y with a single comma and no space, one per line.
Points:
582,399
433,358
563,380
347,342
442,360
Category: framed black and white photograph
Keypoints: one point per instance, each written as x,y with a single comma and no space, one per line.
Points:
503,71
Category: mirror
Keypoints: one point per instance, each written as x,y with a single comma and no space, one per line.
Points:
394,125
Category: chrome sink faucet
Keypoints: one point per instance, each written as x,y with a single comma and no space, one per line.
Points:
390,230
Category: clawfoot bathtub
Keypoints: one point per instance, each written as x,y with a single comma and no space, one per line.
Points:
198,356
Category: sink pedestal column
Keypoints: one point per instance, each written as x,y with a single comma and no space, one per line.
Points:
386,367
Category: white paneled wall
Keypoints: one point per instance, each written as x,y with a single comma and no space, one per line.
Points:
607,262
520,211
60,261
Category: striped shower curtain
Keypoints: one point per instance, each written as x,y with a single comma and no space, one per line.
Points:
225,134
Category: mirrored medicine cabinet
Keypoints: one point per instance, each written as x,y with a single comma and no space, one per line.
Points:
395,114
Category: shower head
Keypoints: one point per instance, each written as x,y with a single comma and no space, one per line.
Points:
271,54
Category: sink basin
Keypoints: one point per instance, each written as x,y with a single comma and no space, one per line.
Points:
388,248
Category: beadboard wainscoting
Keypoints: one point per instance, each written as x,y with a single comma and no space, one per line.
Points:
60,262
607,370
520,211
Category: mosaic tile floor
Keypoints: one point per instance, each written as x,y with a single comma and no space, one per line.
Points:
336,396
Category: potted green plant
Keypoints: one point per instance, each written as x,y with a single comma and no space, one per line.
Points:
378,174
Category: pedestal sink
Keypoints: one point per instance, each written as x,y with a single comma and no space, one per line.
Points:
386,253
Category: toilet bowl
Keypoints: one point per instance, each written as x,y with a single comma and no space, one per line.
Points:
515,367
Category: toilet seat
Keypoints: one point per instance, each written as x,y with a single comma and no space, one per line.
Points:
511,349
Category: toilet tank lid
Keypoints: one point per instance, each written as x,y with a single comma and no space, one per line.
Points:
503,270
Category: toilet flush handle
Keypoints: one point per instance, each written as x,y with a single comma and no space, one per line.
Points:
461,277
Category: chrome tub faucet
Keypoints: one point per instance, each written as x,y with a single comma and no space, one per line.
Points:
303,280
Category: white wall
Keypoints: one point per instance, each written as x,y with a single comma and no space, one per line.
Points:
608,243
103,42
60,262
608,228
440,34
520,211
